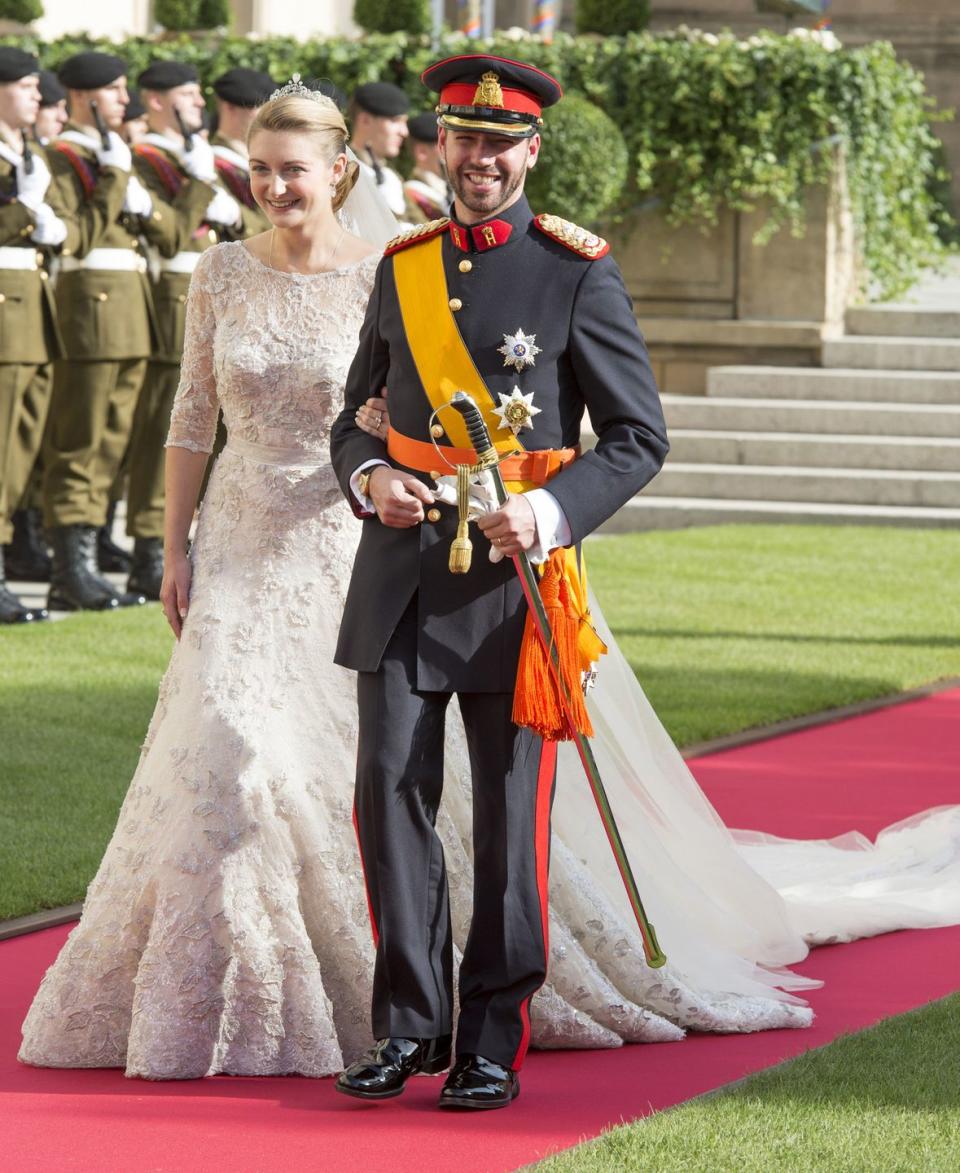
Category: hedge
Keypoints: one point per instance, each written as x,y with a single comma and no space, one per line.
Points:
710,122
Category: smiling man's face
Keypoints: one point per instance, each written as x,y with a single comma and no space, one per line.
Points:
486,171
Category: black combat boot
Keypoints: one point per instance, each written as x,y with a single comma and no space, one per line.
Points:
75,584
26,556
146,574
11,609
110,556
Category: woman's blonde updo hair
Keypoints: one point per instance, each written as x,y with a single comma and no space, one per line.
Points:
318,117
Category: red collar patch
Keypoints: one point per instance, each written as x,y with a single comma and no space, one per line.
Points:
480,238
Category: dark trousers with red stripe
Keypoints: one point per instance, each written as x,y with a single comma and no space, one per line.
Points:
399,786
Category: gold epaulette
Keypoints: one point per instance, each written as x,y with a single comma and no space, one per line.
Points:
572,236
416,235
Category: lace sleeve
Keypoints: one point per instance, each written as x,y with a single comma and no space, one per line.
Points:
193,421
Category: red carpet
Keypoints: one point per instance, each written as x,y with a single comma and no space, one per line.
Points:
863,773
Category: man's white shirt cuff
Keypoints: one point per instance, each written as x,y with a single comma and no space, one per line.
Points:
365,503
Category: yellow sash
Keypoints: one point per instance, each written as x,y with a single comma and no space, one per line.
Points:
443,362
445,366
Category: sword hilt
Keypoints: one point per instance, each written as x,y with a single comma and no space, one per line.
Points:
476,429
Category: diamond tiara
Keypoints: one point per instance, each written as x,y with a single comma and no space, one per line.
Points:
296,89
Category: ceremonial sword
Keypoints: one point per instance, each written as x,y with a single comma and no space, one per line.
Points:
487,459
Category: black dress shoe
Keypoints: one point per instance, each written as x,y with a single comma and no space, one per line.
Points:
383,1071
476,1082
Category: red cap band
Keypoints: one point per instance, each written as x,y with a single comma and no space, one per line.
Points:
519,101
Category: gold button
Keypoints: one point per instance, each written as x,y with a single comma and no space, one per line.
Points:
44,274
39,258
211,235
456,304
102,297
66,252
157,216
3,297
26,231
182,297
465,266
433,515
437,432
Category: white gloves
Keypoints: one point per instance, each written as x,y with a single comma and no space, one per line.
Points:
138,201
32,187
482,499
223,209
198,162
117,154
50,230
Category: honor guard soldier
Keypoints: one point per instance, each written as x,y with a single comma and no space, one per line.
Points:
528,313
29,221
135,127
427,192
191,212
240,94
378,116
53,115
104,308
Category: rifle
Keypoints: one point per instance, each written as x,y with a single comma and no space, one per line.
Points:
184,130
102,129
487,458
27,154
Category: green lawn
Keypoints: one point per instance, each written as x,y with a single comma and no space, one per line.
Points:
727,628
884,1099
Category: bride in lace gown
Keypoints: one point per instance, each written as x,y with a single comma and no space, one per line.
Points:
226,929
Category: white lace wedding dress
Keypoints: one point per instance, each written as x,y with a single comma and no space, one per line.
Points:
226,929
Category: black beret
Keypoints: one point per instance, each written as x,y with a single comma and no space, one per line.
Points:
381,99
167,75
51,91
423,127
90,71
244,87
135,107
15,64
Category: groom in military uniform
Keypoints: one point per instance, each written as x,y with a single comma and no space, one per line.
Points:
529,311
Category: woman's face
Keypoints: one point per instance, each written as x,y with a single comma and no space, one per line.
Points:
290,178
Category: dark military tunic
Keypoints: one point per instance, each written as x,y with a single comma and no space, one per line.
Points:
416,633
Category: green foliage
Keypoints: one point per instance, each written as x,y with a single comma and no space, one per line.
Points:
22,11
612,18
710,122
584,165
393,16
182,15
213,14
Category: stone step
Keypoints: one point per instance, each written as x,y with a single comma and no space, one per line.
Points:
822,383
806,415
903,321
646,512
812,449
934,490
876,353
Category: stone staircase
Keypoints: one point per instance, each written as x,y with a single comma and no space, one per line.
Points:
871,437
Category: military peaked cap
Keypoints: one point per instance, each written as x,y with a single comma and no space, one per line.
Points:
161,76
51,91
244,87
15,64
492,94
91,71
381,99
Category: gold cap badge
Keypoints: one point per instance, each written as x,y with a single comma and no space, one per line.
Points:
489,92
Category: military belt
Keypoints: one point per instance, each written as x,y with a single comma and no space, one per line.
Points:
18,258
107,260
181,263
537,467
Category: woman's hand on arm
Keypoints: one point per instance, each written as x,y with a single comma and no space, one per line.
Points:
183,477
373,417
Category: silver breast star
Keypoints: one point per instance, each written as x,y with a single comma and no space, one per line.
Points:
518,350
